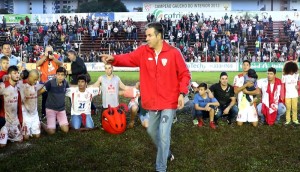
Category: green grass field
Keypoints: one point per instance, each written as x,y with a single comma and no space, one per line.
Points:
228,148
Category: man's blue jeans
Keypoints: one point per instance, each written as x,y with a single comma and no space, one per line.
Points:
159,129
280,112
231,115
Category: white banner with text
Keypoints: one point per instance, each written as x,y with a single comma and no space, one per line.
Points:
193,66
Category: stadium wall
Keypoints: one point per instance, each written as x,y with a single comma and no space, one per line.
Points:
192,66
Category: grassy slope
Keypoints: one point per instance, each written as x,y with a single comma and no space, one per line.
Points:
226,149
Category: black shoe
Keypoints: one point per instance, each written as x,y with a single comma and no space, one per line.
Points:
43,116
229,121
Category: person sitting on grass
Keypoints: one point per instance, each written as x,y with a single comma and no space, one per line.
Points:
224,93
135,106
251,77
55,104
271,107
81,99
205,106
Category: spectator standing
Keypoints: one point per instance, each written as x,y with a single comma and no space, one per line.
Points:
48,63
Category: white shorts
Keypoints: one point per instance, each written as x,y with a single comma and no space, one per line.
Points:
31,124
246,112
14,132
3,135
131,103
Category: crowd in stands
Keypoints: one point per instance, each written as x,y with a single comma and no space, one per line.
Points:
226,39
200,38
29,40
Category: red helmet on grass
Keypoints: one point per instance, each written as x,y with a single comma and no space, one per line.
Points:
114,119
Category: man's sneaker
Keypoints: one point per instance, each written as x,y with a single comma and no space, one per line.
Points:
296,122
195,122
200,123
287,123
229,121
216,110
212,125
171,157
175,119
43,116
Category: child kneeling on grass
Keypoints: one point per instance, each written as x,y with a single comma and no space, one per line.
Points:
55,103
205,106
81,99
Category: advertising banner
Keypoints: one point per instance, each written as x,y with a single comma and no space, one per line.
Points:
192,67
200,6
135,16
15,18
263,66
106,16
93,67
212,66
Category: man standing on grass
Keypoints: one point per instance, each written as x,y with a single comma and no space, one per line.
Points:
271,107
77,66
247,112
164,81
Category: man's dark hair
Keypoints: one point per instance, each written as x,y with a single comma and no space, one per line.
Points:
61,70
158,28
12,68
6,43
271,69
82,77
247,61
24,74
204,85
252,73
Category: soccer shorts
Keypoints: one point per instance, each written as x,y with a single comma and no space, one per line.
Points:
3,135
246,112
14,132
31,123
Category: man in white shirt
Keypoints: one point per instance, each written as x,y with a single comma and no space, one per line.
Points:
247,112
12,108
271,107
29,95
81,99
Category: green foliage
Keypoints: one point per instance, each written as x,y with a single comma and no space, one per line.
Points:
102,6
